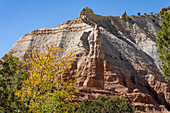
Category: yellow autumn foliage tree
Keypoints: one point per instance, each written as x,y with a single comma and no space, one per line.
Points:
48,87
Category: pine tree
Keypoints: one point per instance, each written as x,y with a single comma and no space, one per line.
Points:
10,81
163,43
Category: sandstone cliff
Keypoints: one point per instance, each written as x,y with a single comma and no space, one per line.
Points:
114,56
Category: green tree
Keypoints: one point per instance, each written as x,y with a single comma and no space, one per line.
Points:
104,105
163,43
10,81
49,87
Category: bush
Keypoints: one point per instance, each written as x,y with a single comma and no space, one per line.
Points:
104,105
138,13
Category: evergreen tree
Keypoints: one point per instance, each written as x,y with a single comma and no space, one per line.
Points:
163,43
11,77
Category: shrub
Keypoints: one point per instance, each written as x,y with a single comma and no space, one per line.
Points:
104,105
138,13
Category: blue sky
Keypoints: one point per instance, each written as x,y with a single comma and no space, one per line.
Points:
19,17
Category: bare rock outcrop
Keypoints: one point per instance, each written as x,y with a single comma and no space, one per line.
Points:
124,16
93,70
113,57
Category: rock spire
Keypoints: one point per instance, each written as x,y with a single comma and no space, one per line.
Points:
95,61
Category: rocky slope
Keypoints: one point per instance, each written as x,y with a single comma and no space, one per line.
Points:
114,56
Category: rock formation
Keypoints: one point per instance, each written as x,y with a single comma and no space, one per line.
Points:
113,57
93,70
124,16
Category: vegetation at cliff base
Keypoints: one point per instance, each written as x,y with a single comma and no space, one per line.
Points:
11,77
45,86
49,87
41,83
163,44
104,105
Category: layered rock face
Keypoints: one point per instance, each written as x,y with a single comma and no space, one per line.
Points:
93,70
114,56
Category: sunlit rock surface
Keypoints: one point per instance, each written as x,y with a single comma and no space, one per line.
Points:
114,56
